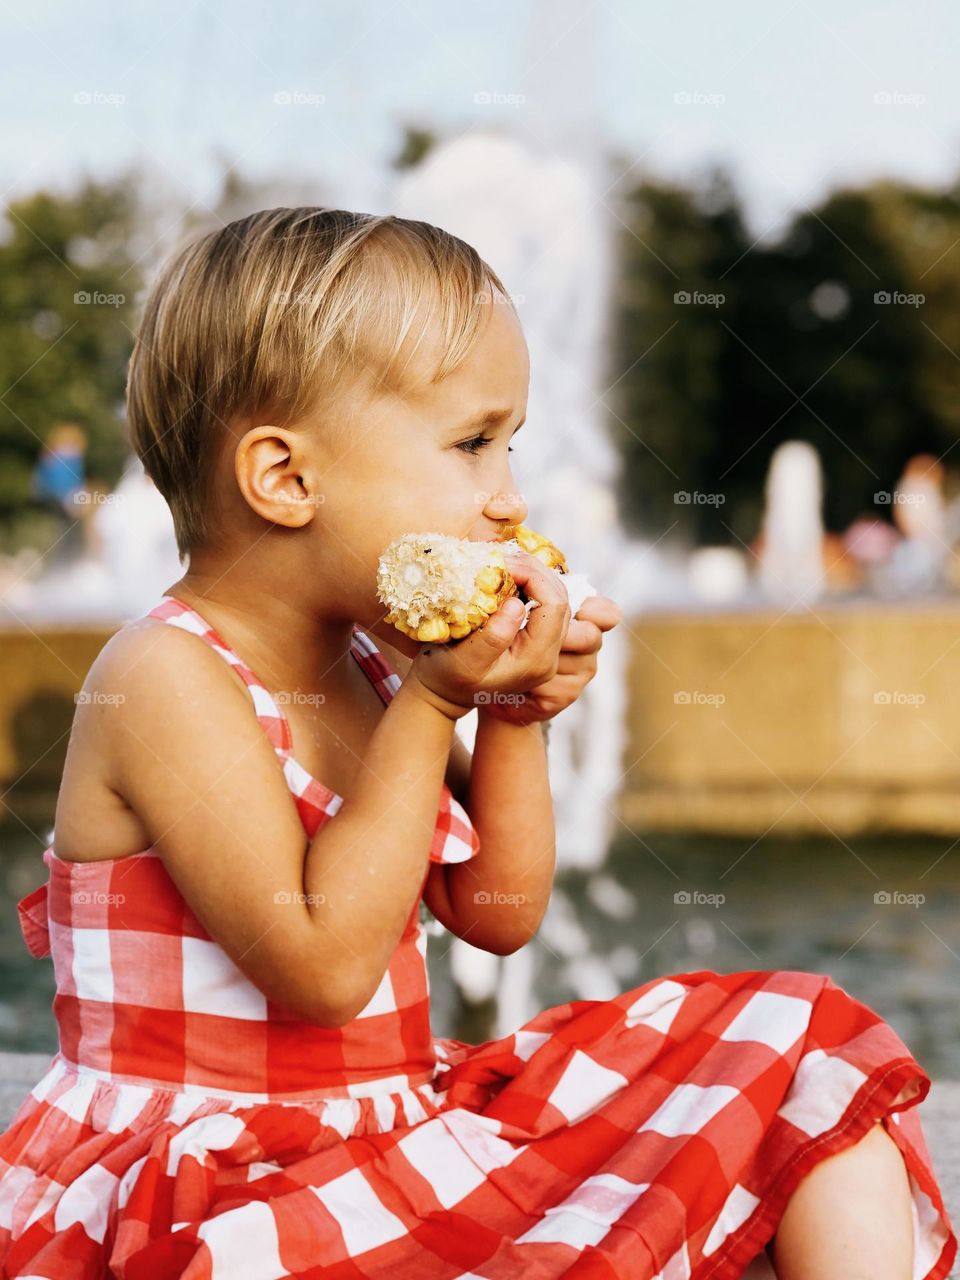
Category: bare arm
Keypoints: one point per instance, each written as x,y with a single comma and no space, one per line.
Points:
459,762
312,924
497,899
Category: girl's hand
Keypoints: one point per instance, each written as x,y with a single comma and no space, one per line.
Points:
576,667
497,664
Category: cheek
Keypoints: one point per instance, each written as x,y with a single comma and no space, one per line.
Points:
414,492
443,492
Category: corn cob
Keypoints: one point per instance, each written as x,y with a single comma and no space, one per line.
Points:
439,588
537,545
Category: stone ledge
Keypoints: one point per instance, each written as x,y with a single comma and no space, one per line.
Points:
941,1118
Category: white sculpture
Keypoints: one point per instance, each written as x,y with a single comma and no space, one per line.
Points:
791,559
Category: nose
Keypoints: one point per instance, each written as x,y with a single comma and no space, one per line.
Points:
505,506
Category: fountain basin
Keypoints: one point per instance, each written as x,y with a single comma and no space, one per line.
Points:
844,721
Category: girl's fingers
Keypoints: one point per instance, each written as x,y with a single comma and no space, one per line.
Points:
582,637
602,611
547,622
538,582
577,666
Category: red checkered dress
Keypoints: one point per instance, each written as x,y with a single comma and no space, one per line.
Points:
189,1127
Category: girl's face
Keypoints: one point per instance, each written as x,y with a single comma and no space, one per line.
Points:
436,460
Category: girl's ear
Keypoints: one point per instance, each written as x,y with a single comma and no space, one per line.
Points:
272,484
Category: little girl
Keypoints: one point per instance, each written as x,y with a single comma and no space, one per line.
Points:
247,1085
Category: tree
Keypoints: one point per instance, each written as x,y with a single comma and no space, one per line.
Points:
68,292
802,346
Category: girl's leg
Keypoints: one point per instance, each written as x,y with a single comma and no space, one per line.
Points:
849,1218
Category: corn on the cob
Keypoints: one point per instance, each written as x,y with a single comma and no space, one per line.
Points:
537,545
439,588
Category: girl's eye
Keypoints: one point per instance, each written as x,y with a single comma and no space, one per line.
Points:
479,442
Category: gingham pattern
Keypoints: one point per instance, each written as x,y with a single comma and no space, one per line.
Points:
655,1136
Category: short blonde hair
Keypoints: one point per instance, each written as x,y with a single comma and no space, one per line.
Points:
264,316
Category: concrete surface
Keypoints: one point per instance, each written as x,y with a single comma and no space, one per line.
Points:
941,1123
732,716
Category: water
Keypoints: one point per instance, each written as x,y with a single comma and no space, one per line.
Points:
806,904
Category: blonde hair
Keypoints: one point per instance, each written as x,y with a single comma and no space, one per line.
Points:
264,316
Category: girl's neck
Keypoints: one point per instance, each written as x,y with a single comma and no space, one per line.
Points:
281,640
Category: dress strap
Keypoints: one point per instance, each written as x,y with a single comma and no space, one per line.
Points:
371,661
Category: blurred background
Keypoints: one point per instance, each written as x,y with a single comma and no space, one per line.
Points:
732,235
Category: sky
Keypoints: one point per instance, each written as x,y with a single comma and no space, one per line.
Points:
795,97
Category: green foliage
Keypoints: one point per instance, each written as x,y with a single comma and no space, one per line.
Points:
417,143
798,349
63,359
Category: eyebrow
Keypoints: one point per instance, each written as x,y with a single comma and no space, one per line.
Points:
490,418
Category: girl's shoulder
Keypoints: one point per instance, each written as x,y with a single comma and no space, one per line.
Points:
150,648
146,674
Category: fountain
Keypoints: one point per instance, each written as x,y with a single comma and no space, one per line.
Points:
533,216
791,554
